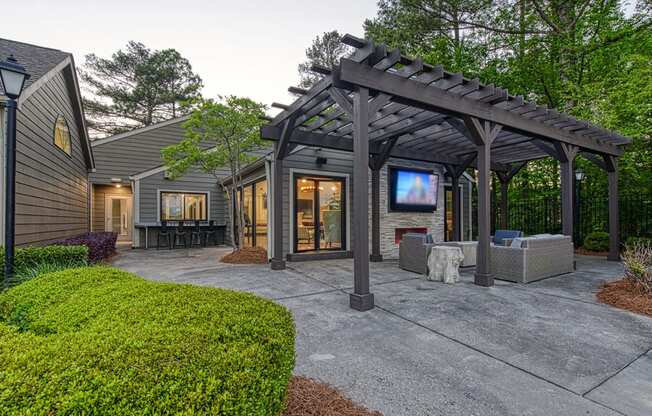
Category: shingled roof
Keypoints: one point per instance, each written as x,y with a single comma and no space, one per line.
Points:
37,60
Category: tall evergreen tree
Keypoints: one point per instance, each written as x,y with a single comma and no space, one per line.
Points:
136,87
326,50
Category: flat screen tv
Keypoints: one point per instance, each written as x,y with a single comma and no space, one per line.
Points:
412,190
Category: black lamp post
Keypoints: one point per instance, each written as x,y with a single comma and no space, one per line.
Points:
13,77
579,177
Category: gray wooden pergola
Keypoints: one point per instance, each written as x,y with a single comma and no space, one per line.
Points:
380,104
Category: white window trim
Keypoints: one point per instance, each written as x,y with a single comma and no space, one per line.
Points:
182,191
347,195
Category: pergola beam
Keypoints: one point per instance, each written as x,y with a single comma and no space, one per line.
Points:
415,94
303,137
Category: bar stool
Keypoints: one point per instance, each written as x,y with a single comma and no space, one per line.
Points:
180,235
165,232
196,235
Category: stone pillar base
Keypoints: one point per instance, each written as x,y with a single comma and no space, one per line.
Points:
376,258
484,279
277,264
361,302
613,257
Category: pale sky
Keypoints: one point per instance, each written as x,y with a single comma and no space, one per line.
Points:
248,48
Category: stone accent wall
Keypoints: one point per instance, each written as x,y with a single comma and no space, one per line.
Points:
389,221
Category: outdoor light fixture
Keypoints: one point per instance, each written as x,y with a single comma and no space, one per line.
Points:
13,77
118,186
579,174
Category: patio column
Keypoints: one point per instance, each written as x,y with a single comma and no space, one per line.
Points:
504,189
483,134
361,299
566,155
457,208
611,163
278,263
281,148
375,216
505,177
455,172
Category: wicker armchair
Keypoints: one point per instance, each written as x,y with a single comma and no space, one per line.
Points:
413,252
532,258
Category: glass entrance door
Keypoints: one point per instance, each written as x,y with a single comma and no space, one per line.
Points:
253,200
118,216
319,206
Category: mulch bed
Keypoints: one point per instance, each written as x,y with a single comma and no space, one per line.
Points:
246,255
585,252
307,397
624,295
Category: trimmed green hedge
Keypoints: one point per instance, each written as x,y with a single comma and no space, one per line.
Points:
643,241
27,258
597,241
98,340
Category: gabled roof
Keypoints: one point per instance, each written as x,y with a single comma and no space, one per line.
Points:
42,64
37,60
104,140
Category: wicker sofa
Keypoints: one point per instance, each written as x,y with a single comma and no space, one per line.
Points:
525,260
413,252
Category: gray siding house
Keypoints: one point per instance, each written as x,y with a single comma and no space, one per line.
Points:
131,193
317,193
53,150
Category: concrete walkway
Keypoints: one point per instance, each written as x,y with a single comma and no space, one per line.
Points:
546,348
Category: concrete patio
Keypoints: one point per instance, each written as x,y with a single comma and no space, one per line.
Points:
428,348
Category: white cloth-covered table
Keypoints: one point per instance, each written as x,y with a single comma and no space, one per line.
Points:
443,264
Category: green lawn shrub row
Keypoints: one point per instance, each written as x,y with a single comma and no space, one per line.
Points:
28,260
641,241
597,241
101,341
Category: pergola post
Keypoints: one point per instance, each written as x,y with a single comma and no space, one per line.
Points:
457,208
505,178
566,155
361,299
375,215
281,148
614,220
455,172
483,134
278,263
504,190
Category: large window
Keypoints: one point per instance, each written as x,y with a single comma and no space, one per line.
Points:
62,135
184,206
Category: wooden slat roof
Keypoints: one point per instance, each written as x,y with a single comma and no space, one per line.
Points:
424,106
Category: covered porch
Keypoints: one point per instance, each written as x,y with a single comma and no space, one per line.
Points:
379,104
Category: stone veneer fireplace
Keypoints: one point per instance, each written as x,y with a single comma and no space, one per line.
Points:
394,223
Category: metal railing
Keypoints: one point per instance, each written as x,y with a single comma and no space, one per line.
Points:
543,215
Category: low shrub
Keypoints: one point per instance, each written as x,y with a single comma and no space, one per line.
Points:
597,241
633,241
98,340
27,259
637,259
101,245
